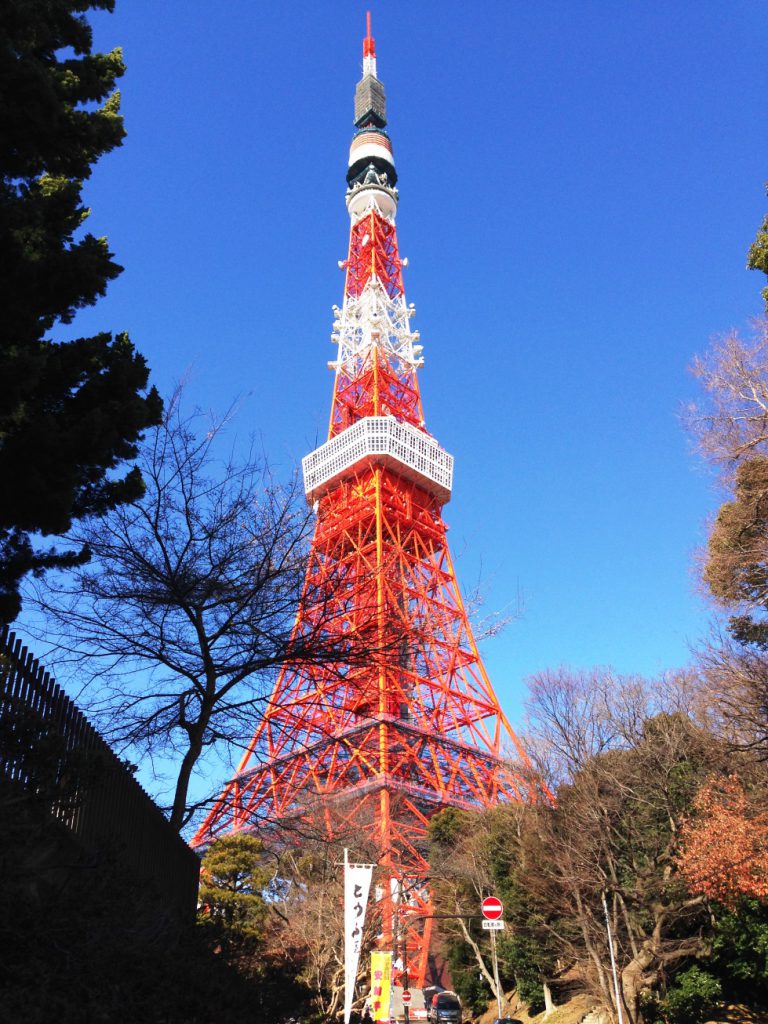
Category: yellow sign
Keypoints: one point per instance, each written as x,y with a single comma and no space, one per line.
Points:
381,985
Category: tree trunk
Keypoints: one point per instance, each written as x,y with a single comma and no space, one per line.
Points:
480,961
188,762
633,977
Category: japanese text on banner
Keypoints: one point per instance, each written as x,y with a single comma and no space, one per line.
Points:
381,985
357,884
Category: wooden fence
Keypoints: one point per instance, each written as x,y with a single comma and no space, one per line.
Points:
50,749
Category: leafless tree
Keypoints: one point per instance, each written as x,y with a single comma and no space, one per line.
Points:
311,916
573,716
632,754
731,424
185,612
734,685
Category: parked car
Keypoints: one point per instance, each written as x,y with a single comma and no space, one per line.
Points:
445,1008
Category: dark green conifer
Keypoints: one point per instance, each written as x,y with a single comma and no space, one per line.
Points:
71,411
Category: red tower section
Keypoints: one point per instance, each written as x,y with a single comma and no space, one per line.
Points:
374,744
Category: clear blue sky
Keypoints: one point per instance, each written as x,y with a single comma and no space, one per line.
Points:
579,184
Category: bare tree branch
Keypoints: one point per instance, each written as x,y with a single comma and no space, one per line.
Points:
186,612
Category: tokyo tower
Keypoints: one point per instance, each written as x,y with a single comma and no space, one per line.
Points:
409,724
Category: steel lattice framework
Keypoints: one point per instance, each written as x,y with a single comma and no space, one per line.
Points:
376,743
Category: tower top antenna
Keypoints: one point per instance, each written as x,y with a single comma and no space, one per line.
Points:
370,102
369,43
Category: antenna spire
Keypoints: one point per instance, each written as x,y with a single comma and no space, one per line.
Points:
369,43
370,103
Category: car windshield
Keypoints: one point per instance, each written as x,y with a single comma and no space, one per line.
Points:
447,1003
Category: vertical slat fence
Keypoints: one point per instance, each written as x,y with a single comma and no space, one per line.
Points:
106,803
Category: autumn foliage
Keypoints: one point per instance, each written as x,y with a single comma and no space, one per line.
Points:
723,852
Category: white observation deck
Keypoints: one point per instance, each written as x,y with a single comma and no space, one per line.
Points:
384,441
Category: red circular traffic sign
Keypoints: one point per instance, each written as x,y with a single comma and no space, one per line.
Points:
492,908
406,996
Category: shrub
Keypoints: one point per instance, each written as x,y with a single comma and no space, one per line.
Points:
693,996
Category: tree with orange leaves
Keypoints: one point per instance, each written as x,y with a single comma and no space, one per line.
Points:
723,853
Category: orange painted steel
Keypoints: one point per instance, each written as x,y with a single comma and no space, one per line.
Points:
409,723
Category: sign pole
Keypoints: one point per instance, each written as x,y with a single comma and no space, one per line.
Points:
492,908
496,971
403,933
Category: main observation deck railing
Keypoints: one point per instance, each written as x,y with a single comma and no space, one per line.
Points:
411,452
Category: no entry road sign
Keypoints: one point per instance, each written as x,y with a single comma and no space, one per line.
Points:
492,908
406,996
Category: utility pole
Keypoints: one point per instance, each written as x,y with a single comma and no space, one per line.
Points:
613,961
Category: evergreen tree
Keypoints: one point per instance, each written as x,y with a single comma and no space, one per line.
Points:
471,856
233,886
245,918
71,411
757,257
736,570
740,951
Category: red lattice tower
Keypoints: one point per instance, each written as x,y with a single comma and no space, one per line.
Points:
409,723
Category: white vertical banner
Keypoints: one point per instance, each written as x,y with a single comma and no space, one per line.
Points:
357,885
